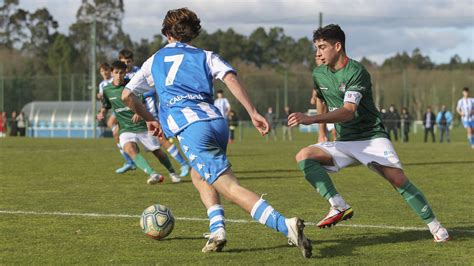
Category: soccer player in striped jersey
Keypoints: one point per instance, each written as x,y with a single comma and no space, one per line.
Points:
126,56
182,76
105,72
465,109
345,87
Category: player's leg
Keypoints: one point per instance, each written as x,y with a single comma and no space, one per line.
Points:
215,211
228,186
313,161
415,199
152,144
129,164
174,152
470,132
129,142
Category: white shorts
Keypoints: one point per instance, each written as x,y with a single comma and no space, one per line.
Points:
330,126
149,142
368,152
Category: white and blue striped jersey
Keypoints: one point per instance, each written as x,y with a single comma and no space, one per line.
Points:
182,76
102,85
132,73
466,105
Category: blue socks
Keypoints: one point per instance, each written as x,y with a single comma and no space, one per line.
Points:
265,214
174,152
216,218
125,155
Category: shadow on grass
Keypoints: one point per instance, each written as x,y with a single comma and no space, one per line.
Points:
179,238
346,246
253,249
266,171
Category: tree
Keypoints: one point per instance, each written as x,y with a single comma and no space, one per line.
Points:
61,53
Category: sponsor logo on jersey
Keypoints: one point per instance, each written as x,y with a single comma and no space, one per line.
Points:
178,98
324,89
332,108
123,109
113,98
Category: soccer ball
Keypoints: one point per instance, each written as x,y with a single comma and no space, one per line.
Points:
157,221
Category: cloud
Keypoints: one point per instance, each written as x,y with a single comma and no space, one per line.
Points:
374,28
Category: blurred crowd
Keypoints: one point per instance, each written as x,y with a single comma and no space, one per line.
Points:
15,125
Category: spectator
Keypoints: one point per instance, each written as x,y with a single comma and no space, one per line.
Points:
13,125
429,121
392,121
270,116
444,118
284,124
233,122
406,120
465,109
2,124
222,103
21,124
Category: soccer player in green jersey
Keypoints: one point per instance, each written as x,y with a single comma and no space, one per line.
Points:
344,96
133,129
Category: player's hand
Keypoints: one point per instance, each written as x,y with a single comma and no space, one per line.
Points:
100,116
295,119
136,118
154,128
260,123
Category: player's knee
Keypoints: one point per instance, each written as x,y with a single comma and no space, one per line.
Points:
303,154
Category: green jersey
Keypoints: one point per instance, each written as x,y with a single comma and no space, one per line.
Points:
113,100
351,83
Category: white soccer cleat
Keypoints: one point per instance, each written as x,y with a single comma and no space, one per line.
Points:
440,234
175,178
216,241
155,179
296,236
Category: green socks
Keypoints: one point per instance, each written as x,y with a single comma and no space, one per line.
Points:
318,178
417,201
143,164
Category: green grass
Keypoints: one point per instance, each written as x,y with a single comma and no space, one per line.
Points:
77,176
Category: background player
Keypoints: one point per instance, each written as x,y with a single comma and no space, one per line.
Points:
465,109
345,86
105,72
182,76
133,129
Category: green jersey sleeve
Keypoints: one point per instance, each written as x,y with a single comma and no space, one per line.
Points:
105,100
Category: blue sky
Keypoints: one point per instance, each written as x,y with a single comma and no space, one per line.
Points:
374,29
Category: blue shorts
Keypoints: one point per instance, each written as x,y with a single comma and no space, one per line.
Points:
468,124
205,144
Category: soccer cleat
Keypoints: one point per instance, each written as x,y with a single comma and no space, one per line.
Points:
216,241
155,179
296,236
440,235
126,167
175,178
336,215
184,170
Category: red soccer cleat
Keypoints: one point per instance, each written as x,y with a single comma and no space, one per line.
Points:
336,215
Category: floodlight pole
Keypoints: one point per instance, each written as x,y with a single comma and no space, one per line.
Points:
93,76
2,89
320,19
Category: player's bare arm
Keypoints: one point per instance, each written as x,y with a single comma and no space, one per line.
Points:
321,108
132,101
239,91
343,114
102,113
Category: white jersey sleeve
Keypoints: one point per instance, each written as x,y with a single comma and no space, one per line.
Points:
218,66
142,81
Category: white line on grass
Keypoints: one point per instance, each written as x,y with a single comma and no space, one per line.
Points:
101,215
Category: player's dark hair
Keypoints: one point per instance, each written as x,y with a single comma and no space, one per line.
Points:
105,66
331,33
220,91
126,54
181,24
465,89
119,65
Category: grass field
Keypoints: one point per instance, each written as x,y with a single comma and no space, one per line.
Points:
62,203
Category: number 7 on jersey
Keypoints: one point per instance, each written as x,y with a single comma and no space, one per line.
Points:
176,60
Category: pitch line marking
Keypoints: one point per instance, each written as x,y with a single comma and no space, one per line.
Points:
241,221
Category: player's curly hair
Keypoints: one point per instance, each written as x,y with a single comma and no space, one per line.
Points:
331,33
181,24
